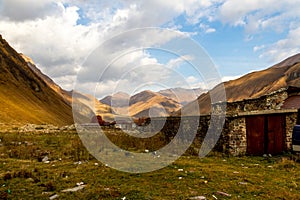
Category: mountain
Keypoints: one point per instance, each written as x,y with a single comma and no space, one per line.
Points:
143,104
148,103
66,95
25,97
119,99
181,95
254,85
100,109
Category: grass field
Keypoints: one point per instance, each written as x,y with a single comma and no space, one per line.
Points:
24,176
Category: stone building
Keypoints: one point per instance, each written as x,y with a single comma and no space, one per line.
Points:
263,125
252,127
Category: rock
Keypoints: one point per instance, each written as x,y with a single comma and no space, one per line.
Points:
224,194
45,159
54,196
198,198
75,189
80,183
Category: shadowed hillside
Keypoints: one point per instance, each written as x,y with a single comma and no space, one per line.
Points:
25,97
90,101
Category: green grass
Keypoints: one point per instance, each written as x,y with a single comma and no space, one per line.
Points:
242,177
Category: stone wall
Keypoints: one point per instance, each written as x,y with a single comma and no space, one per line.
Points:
272,101
235,131
233,140
290,121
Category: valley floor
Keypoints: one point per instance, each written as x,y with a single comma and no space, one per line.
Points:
41,166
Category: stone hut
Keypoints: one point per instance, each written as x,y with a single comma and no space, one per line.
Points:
263,125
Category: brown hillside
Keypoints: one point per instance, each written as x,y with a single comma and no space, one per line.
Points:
90,101
143,104
25,97
255,84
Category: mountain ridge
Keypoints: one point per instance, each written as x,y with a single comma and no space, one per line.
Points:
253,85
25,97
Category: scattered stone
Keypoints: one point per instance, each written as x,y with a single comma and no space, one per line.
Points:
80,183
45,159
224,194
198,198
47,162
214,197
265,155
96,164
205,182
270,155
235,172
123,198
54,196
243,183
75,189
146,150
179,177
180,170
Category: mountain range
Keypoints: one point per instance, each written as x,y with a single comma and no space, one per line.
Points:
148,103
29,96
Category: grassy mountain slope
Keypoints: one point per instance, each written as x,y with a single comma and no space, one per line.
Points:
25,97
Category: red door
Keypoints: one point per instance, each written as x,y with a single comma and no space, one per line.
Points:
255,126
275,134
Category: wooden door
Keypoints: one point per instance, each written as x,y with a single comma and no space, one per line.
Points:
255,126
275,142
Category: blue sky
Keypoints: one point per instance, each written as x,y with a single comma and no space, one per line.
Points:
239,36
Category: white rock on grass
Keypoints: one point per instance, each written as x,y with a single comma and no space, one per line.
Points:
75,189
198,198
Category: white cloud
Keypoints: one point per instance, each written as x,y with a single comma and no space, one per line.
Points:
258,48
207,29
50,33
177,62
20,10
283,48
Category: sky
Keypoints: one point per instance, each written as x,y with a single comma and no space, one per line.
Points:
102,46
